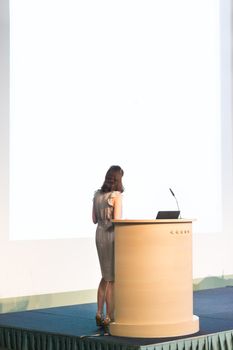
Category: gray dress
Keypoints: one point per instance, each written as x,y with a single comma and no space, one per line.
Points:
104,211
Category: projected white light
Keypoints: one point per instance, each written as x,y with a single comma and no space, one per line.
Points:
96,83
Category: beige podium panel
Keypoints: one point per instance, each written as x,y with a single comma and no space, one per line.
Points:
153,279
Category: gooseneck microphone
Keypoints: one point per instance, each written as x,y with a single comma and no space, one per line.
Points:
176,200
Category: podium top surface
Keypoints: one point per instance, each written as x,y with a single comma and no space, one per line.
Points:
155,221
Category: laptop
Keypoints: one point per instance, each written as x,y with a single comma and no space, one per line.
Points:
168,214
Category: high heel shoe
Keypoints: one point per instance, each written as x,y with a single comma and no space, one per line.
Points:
107,320
99,320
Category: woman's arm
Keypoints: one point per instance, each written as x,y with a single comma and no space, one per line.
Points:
117,207
94,219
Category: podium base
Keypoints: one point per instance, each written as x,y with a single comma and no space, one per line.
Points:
156,330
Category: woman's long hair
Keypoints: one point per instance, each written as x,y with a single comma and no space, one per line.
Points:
113,180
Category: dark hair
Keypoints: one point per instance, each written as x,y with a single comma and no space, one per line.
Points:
113,180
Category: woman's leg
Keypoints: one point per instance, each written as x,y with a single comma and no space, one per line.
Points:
105,294
100,302
101,296
109,300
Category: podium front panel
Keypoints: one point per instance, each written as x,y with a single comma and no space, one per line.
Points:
153,279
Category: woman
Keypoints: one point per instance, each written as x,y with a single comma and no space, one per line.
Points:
107,204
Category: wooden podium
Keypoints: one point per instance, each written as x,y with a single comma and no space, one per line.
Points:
153,279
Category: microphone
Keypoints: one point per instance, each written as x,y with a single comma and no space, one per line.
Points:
172,192
176,200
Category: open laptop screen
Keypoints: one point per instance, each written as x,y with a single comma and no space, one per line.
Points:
168,214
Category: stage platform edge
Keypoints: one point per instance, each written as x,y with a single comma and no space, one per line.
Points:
22,339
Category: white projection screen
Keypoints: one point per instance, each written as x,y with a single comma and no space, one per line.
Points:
97,83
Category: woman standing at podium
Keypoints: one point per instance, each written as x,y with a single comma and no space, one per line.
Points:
107,204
